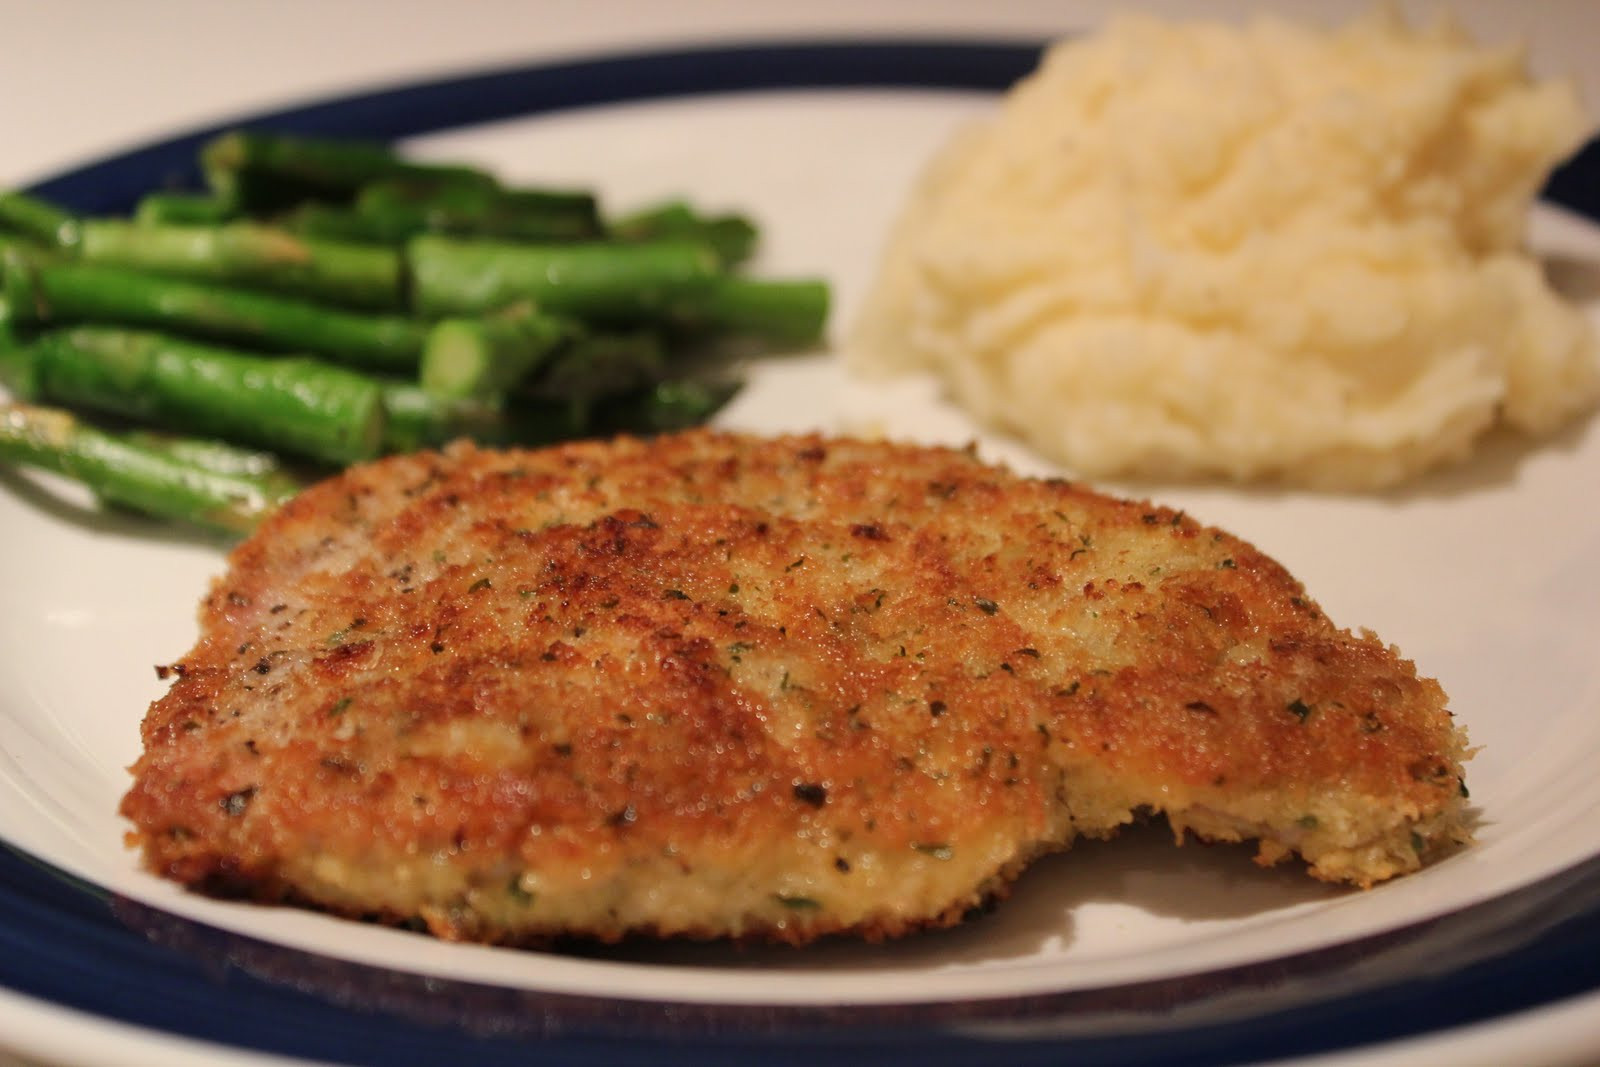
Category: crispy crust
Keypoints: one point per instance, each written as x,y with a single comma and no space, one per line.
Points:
722,686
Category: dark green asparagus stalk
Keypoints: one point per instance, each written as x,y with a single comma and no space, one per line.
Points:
596,281
38,219
420,419
375,222
18,252
598,365
415,418
265,469
482,357
732,237
784,312
290,404
71,292
664,407
263,172
338,222
246,253
219,457
412,206
182,209
126,473
19,371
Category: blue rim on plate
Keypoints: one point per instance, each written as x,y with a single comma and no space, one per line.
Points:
79,947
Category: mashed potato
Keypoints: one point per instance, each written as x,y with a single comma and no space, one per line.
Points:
1260,252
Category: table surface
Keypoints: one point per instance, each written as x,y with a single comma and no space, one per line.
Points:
83,78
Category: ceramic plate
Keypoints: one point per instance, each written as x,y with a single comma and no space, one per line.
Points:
1488,575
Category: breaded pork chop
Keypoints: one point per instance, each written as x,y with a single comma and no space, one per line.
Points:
714,685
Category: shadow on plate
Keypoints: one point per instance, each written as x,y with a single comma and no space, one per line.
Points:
1495,459
1495,462
1556,915
1575,279
1140,870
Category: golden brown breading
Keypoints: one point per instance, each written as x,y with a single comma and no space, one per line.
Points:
713,685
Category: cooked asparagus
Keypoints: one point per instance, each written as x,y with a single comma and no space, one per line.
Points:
599,365
482,357
340,222
38,219
259,171
664,407
732,237
295,405
19,371
599,281
17,252
784,312
251,254
409,206
217,456
182,209
510,315
420,419
124,472
72,292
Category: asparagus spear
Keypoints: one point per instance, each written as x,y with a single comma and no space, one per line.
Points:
598,281
659,273
338,222
18,252
732,237
411,206
19,371
247,253
127,473
376,222
218,457
482,357
182,209
291,404
38,219
416,418
785,312
597,365
420,419
257,171
85,292
663,407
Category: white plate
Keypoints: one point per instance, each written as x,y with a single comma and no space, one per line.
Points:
1487,575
